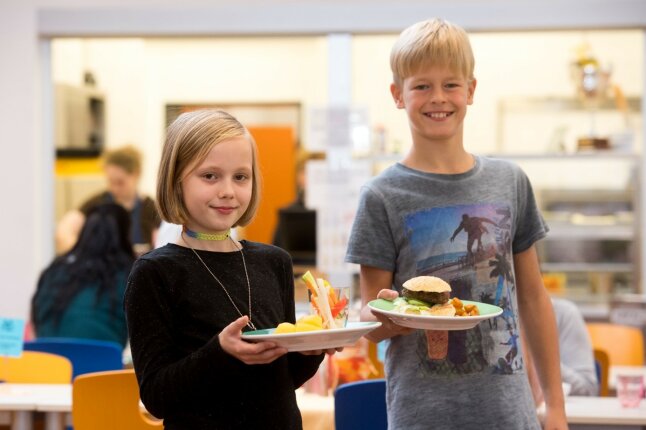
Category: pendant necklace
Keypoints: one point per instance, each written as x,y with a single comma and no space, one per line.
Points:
244,264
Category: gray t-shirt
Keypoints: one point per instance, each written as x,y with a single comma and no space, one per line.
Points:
463,228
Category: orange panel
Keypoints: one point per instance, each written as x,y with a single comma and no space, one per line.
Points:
277,156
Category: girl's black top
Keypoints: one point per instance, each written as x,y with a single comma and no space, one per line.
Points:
175,311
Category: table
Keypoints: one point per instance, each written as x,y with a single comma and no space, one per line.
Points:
317,411
24,399
55,400
601,413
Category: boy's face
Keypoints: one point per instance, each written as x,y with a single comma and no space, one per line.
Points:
435,99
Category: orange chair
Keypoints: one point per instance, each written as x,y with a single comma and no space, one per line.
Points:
602,365
36,368
107,401
623,344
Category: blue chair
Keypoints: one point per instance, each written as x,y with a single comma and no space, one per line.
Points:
361,405
86,355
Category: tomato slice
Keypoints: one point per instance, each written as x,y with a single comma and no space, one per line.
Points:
340,305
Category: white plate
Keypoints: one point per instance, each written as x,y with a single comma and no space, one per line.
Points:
311,340
430,322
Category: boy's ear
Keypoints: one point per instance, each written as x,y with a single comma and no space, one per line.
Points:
471,91
396,93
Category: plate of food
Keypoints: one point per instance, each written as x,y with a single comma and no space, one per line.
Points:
313,339
426,304
327,327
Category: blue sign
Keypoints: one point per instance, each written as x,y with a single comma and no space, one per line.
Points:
11,337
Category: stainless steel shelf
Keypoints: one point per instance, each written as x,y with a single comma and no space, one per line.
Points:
560,231
588,267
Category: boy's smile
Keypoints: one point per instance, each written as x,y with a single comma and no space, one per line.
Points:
435,99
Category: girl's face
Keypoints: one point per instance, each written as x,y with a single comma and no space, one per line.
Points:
217,191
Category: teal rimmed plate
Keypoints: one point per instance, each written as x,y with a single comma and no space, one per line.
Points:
430,322
313,340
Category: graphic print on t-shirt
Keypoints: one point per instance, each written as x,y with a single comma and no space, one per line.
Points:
469,246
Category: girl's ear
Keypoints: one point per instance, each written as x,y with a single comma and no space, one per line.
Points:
397,95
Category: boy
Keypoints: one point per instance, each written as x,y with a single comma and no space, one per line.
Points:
471,221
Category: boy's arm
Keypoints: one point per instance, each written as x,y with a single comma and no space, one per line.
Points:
376,283
537,318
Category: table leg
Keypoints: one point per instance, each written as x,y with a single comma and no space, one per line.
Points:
22,420
53,421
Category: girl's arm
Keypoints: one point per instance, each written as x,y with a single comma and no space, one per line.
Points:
537,318
376,283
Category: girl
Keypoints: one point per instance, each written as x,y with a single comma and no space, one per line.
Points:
80,294
187,302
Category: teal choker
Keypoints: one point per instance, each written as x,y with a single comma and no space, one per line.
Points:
207,236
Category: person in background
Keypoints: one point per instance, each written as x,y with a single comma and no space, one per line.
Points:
188,302
80,294
464,379
298,205
122,168
577,354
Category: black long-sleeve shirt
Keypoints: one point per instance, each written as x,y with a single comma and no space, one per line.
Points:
175,310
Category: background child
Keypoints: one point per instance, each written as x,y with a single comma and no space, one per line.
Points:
408,224
187,302
80,294
122,168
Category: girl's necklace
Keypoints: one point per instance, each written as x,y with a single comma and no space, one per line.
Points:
244,264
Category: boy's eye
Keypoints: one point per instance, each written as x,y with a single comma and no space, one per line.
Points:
421,87
452,85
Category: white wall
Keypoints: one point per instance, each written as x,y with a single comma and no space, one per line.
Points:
26,180
141,76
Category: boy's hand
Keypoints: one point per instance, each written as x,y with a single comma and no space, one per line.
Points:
386,324
249,353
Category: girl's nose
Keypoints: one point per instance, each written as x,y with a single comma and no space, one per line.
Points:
226,191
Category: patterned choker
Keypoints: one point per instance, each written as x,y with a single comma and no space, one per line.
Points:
207,236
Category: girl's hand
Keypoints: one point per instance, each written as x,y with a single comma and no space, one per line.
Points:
249,353
386,324
330,351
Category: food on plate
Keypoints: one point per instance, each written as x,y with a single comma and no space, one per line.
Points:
332,309
463,310
306,323
429,289
429,295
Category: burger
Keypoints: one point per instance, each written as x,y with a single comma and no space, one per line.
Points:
427,289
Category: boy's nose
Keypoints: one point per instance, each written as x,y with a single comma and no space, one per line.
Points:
437,96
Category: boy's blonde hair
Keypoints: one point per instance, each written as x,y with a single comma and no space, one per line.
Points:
189,139
127,157
429,43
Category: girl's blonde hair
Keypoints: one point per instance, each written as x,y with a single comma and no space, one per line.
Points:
189,139
429,43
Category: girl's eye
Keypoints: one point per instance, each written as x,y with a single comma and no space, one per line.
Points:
209,176
241,177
